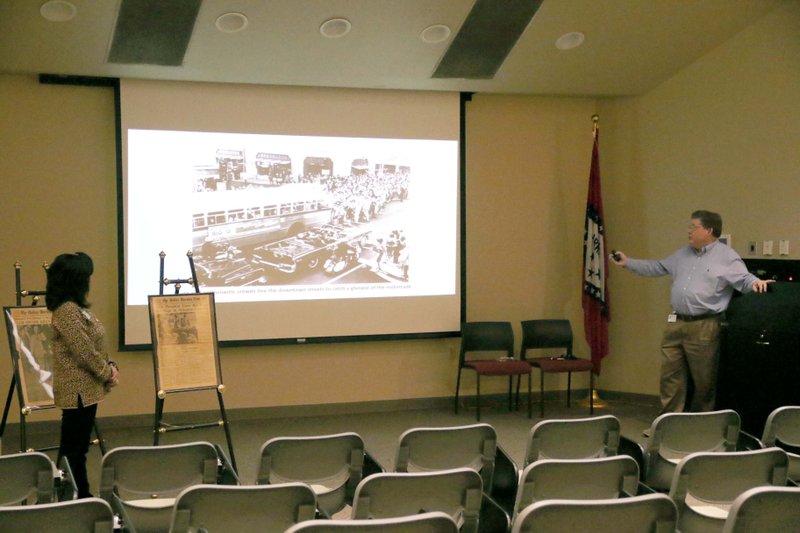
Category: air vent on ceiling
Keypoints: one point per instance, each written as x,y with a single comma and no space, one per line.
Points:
153,32
487,36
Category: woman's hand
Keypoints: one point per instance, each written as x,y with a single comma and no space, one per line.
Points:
113,381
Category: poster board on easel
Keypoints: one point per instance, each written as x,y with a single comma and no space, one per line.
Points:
184,334
30,340
183,330
30,336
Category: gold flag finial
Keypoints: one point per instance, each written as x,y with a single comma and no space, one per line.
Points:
595,120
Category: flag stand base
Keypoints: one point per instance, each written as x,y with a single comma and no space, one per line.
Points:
596,400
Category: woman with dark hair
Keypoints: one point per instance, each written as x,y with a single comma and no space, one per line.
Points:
82,373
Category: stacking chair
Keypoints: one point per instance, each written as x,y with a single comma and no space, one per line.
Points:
577,479
497,337
650,513
142,482
573,438
706,484
782,429
457,492
473,446
332,465
89,515
243,509
26,478
673,436
557,333
765,509
433,522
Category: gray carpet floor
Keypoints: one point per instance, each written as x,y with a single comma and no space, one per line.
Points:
380,430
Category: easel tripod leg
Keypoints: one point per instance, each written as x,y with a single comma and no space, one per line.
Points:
8,404
157,422
227,430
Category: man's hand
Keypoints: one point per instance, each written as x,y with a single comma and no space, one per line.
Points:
618,258
761,285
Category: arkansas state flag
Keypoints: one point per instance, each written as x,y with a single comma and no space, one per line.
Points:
595,267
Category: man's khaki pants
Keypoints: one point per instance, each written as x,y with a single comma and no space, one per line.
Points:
690,348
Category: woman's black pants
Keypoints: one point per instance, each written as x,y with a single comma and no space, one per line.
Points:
76,434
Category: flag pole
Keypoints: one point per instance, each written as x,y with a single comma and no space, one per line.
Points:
594,398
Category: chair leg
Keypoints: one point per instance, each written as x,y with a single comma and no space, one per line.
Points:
478,399
510,388
458,385
517,395
591,392
530,407
569,386
541,393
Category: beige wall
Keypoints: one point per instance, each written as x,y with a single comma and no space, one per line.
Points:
722,134
528,164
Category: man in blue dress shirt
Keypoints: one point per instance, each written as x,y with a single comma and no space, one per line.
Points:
704,276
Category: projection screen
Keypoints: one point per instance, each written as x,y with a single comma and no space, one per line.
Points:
312,214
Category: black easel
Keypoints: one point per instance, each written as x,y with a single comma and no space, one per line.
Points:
159,426
26,410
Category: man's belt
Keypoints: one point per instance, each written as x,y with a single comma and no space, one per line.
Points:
691,318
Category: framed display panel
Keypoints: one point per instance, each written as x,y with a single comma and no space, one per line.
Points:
30,336
183,329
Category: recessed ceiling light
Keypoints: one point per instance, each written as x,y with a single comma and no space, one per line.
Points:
335,27
231,22
435,34
58,10
570,40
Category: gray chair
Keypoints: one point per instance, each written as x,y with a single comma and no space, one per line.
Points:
242,509
433,522
573,438
706,484
474,446
332,465
577,479
427,449
782,429
457,492
673,436
765,509
26,478
89,515
142,482
650,513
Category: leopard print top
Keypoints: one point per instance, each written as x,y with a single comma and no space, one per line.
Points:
81,365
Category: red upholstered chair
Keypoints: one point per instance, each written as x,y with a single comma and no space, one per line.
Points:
554,334
491,337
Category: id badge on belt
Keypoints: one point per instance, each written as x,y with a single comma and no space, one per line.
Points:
672,317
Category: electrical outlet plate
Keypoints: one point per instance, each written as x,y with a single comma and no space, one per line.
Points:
766,248
784,247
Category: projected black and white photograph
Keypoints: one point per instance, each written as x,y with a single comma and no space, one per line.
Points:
269,221
30,338
277,217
